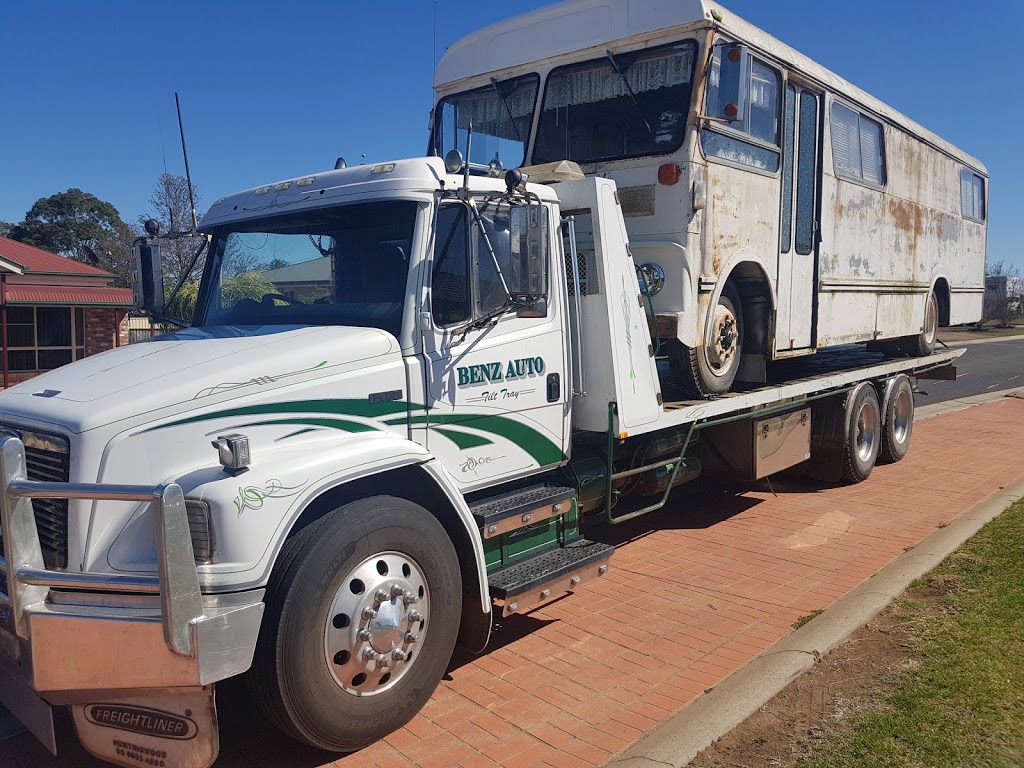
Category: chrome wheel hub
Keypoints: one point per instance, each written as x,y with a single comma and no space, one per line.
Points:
721,347
901,417
377,620
866,431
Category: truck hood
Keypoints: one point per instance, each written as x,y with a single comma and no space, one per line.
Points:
192,367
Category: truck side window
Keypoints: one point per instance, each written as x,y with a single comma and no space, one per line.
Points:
449,292
491,292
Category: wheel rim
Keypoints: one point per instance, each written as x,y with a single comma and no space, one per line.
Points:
378,619
902,408
931,319
722,336
867,431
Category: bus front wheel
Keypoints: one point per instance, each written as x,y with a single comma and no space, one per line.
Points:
709,370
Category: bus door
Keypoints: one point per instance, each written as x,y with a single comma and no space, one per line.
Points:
798,230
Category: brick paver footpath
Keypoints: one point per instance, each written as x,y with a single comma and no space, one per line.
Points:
695,592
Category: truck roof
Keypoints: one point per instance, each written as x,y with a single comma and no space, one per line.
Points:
580,25
394,178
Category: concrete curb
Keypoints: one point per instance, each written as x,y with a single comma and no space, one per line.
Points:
949,406
678,740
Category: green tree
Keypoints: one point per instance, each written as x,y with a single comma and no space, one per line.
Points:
65,222
5,228
72,224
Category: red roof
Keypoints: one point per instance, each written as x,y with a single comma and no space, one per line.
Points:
37,260
70,296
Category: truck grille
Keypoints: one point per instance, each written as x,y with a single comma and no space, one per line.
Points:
48,458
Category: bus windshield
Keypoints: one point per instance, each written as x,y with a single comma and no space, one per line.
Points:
335,266
619,106
501,115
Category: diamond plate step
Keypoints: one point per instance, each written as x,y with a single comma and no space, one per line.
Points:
549,574
505,513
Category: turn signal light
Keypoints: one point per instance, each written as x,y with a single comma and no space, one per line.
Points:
668,174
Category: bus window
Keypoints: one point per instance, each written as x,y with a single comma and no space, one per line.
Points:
619,106
753,139
501,115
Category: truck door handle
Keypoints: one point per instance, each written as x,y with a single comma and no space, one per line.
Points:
554,388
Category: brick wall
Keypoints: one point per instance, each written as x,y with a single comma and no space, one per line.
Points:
102,330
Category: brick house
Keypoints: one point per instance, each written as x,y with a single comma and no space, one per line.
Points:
54,310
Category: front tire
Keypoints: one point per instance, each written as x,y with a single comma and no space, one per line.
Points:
709,370
362,613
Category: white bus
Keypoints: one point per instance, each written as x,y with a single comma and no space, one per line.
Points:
777,208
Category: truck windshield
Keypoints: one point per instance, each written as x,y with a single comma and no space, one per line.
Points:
618,106
337,266
501,115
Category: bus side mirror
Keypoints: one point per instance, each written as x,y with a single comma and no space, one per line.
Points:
528,283
733,82
147,278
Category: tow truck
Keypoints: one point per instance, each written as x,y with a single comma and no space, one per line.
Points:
354,461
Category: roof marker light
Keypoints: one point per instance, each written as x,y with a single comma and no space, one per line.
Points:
383,168
262,190
305,182
282,186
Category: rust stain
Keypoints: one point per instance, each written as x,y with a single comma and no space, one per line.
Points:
908,218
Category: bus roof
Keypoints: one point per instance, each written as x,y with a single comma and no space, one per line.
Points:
578,25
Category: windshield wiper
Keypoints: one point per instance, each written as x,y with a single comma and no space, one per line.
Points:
508,109
629,90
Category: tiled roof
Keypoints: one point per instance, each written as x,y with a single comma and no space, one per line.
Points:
70,296
37,260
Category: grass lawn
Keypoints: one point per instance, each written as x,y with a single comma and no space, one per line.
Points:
959,699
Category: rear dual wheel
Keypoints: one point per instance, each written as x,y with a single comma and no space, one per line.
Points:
362,613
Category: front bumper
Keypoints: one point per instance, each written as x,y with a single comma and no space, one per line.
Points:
68,638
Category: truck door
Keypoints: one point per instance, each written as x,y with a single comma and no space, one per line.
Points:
798,230
496,390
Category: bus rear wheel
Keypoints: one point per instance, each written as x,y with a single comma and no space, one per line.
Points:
923,344
709,370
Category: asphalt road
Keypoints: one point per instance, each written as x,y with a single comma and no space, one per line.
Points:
987,367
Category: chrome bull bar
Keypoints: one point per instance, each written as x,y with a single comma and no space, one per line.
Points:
29,582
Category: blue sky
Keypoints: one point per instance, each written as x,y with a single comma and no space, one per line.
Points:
275,90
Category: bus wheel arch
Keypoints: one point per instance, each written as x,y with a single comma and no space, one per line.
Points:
736,320
940,287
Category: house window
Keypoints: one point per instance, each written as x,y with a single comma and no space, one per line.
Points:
43,338
972,196
858,150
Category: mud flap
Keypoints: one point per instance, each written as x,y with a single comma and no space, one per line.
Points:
169,730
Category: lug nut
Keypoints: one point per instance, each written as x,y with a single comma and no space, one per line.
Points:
363,634
369,654
411,637
381,596
383,660
398,655
397,591
409,598
415,616
369,613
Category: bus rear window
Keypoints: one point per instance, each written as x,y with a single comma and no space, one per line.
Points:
623,105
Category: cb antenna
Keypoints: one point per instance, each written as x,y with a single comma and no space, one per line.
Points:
188,176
